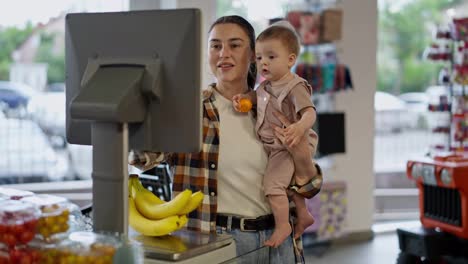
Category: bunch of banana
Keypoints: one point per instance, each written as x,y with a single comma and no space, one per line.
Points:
152,216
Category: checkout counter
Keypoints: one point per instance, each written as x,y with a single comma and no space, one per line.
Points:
137,87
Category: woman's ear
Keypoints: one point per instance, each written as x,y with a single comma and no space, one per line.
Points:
292,60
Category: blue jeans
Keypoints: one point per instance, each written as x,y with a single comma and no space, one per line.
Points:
250,249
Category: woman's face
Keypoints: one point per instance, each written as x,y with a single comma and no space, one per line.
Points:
229,53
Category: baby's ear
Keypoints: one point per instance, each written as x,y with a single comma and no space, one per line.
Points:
292,60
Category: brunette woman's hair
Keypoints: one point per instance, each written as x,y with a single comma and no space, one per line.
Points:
249,30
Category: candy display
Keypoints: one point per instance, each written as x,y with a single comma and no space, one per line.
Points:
450,45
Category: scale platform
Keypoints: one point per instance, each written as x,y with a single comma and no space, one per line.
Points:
185,245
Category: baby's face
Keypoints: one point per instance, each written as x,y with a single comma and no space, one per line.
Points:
273,59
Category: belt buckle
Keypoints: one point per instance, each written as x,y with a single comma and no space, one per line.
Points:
242,225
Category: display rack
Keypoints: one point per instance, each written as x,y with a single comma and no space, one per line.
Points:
319,25
450,47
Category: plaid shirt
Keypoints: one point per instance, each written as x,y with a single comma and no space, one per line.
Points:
198,171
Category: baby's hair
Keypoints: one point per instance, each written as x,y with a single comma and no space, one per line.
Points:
283,31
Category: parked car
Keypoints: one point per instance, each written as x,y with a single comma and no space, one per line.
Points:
27,155
391,114
417,104
81,160
415,101
56,87
14,97
47,109
436,94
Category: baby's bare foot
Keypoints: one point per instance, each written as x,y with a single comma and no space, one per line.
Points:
302,224
279,235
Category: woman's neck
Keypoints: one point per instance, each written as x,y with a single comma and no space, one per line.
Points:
228,89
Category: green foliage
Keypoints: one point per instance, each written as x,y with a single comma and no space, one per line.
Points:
404,33
418,75
385,77
10,39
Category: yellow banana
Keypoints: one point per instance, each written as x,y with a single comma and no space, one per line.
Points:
148,195
150,227
183,220
195,201
146,204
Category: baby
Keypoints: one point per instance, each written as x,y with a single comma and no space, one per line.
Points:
283,91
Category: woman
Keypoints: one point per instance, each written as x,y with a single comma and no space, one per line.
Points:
229,169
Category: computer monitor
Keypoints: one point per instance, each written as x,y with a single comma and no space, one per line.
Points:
172,117
132,82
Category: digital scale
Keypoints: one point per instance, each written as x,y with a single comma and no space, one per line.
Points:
186,247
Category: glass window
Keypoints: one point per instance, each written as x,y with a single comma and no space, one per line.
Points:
32,91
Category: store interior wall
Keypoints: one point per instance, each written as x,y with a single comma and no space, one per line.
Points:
358,50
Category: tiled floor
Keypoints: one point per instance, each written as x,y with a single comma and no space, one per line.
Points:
382,249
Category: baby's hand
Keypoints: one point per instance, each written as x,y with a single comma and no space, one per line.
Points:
235,101
293,134
136,158
241,103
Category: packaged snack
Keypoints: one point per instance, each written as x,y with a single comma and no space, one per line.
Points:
46,252
14,194
20,254
54,216
88,247
18,222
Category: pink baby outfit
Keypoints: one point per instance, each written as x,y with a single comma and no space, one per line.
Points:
289,96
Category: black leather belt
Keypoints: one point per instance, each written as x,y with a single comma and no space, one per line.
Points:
247,224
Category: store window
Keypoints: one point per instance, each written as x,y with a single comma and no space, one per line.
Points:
32,91
412,113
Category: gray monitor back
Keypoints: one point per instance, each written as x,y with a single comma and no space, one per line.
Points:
172,123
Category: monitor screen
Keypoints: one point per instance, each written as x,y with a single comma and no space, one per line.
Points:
330,128
172,121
